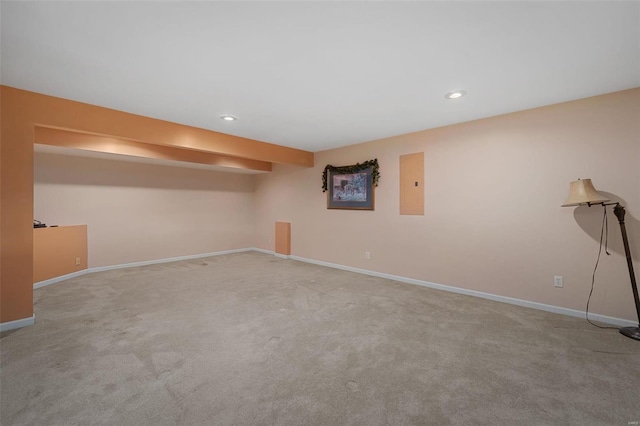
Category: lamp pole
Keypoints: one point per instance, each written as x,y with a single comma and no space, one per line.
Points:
632,332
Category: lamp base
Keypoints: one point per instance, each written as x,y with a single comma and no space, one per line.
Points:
633,332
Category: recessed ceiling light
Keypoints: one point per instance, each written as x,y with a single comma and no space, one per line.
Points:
455,94
228,117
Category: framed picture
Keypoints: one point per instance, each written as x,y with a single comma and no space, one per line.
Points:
350,190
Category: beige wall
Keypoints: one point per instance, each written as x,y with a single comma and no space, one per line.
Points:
492,223
59,251
137,212
493,190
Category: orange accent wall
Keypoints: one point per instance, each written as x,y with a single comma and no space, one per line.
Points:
84,141
283,238
412,184
21,111
49,111
55,251
16,210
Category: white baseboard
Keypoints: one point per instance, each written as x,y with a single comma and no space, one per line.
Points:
263,250
504,299
60,278
281,256
166,260
23,322
134,264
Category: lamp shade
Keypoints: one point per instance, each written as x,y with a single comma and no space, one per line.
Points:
582,192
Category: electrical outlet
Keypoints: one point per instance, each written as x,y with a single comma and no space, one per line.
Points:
558,281
367,255
77,261
269,239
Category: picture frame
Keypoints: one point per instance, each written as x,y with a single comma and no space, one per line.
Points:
350,190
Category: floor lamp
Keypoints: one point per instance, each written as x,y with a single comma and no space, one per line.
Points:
582,193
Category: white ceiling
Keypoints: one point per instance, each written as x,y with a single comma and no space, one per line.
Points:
318,75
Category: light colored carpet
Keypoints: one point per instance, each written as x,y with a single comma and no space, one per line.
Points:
251,339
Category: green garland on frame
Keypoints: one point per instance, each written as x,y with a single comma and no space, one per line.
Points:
375,173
